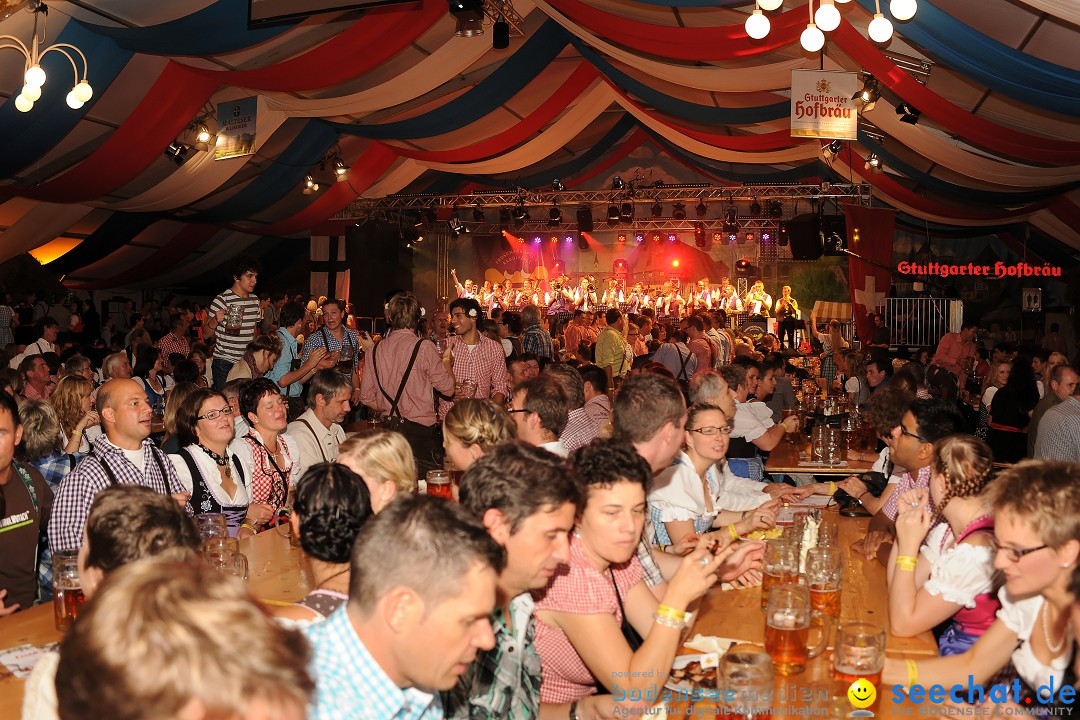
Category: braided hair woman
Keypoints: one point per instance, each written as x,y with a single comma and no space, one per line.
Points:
330,505
951,577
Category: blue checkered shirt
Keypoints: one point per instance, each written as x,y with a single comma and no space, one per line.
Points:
350,685
535,340
53,468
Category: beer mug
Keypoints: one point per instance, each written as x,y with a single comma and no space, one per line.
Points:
345,359
212,525
828,534
223,554
746,683
859,653
68,596
781,565
234,318
438,484
825,578
787,628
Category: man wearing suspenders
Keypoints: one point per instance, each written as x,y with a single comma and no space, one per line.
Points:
125,455
318,432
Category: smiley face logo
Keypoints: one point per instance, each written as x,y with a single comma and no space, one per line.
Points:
862,693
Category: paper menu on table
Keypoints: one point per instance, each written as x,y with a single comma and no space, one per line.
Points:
814,501
19,661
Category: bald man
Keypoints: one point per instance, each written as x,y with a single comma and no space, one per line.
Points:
124,456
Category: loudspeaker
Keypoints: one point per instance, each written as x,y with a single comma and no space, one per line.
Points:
804,231
500,34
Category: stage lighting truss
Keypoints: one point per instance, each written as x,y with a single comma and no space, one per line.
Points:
534,211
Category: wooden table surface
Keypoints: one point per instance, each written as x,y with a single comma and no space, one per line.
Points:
737,614
790,458
276,575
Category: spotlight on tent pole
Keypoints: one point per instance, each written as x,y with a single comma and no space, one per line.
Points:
867,96
908,113
469,15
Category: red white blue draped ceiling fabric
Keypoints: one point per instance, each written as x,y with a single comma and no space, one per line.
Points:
410,107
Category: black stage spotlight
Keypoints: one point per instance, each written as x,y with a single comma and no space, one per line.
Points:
702,209
755,208
678,211
617,183
700,239
613,215
177,152
554,216
775,208
478,214
657,210
908,113
868,94
582,242
731,215
469,15
557,185
626,212
782,236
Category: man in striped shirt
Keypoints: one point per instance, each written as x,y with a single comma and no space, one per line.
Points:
232,341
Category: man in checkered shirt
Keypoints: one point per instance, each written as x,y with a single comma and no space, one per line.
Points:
527,501
477,359
123,456
421,593
1059,431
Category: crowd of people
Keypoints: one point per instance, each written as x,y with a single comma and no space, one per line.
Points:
603,492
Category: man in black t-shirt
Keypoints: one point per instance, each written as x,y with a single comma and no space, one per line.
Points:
25,504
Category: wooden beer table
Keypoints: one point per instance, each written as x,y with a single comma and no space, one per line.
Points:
790,458
737,614
276,576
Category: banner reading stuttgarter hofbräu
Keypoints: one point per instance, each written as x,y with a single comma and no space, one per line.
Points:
821,104
236,128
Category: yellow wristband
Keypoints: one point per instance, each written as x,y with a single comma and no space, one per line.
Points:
733,531
249,527
670,612
912,673
663,548
832,487
906,562
76,433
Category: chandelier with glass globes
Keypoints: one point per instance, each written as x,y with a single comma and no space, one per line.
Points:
827,18
34,76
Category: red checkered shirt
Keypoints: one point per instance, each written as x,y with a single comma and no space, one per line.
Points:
172,344
581,589
580,429
484,364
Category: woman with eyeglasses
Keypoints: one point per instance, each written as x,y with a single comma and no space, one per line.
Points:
953,581
1036,508
691,496
217,478
266,449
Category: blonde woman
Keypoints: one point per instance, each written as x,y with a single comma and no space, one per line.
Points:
74,404
1037,539
954,576
384,460
472,428
995,380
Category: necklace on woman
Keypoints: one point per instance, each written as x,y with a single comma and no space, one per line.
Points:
222,462
1054,650
325,580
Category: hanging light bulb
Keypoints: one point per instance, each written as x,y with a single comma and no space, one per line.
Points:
35,76
83,91
827,16
843,1
812,38
22,104
31,92
202,133
770,4
757,25
73,102
903,10
880,29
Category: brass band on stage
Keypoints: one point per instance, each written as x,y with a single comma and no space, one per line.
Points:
669,301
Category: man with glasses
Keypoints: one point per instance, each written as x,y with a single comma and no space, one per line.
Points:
912,447
540,410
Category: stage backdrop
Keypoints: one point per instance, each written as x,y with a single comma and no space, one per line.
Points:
870,234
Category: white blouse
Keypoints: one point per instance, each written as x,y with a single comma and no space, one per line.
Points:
959,573
242,449
678,493
208,468
1020,616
